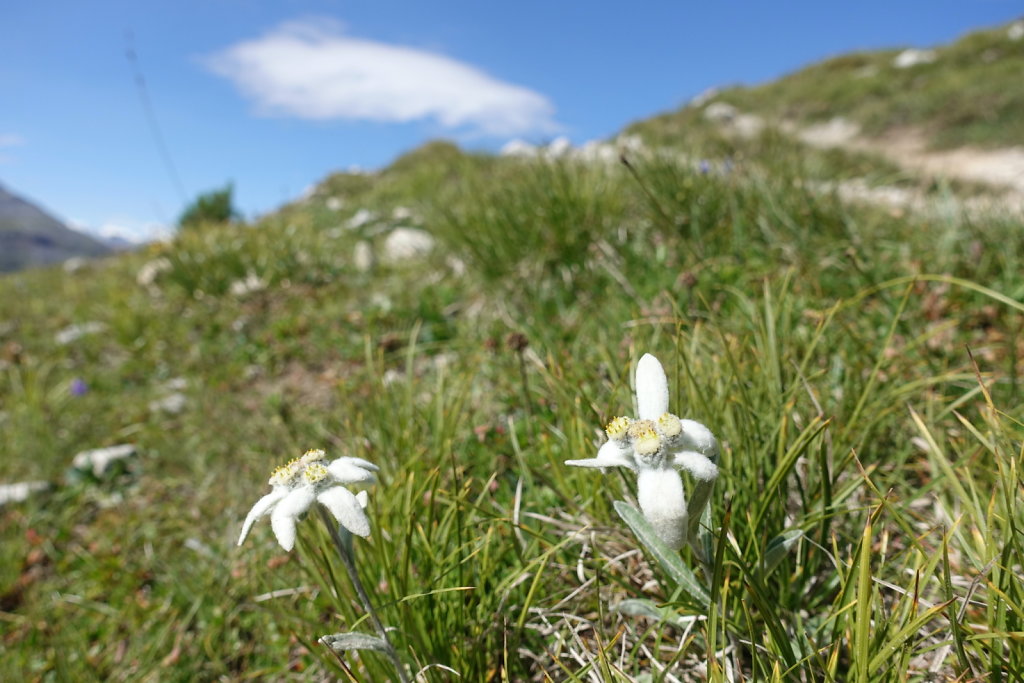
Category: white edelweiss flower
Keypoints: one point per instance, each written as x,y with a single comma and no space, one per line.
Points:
656,446
303,481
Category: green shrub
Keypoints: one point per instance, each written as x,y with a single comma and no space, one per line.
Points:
215,206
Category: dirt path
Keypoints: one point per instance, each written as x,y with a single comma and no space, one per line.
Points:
1003,169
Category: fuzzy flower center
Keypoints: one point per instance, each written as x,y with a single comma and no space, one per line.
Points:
283,475
670,426
618,428
308,468
646,441
312,455
315,473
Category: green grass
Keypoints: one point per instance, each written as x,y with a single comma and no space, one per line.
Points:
970,94
860,370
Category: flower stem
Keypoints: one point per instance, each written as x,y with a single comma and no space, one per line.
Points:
345,552
524,378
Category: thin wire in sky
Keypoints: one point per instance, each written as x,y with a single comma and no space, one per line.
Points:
147,108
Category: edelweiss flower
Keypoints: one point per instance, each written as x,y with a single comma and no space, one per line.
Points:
308,479
656,446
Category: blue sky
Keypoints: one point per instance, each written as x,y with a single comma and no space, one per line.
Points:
273,96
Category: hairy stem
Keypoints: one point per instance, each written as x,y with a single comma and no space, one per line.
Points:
347,560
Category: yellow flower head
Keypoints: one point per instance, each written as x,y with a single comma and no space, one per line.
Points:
670,425
617,428
645,437
312,455
315,472
284,474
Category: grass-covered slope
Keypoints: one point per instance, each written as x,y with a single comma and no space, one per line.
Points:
965,93
861,371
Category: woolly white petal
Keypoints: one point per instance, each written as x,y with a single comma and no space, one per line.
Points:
282,520
651,388
697,464
365,464
611,454
363,497
699,438
588,462
352,471
346,508
661,498
262,507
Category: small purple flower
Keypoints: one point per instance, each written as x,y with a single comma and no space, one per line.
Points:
79,387
705,166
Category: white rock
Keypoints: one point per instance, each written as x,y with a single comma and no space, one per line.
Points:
251,283
401,213
362,256
99,460
720,112
518,148
361,218
913,57
630,143
74,264
334,203
559,147
704,97
151,270
1016,30
406,243
747,125
832,133
176,384
198,546
381,302
73,333
171,403
596,151
20,491
457,266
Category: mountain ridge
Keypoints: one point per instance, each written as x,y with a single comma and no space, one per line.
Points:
30,236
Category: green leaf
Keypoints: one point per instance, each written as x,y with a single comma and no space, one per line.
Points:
666,557
778,547
637,607
861,645
910,630
354,641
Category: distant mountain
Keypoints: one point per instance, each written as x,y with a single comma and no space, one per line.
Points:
115,243
31,237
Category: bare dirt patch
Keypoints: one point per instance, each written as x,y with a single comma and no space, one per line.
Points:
1000,168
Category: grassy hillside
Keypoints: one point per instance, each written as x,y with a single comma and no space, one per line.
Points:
859,368
968,94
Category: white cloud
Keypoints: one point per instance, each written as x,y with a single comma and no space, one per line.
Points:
312,70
